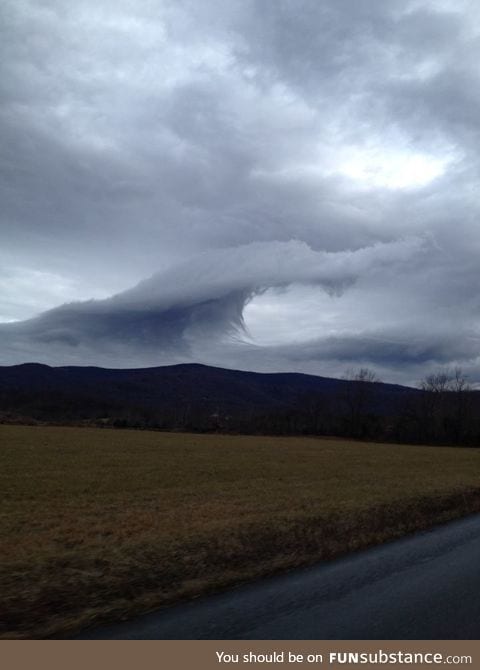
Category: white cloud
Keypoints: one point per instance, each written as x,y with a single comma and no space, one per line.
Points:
387,168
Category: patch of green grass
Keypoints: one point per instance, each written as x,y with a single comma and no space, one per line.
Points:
100,524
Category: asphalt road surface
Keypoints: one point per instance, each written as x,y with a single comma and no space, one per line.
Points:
425,586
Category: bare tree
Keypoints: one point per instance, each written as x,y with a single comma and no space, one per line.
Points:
437,382
358,397
446,405
460,417
361,375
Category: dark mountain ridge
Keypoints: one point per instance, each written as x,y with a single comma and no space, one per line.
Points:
220,388
195,397
41,392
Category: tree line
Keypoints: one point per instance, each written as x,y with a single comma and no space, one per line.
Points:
444,409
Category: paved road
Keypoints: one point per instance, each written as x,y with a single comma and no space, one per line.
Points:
426,586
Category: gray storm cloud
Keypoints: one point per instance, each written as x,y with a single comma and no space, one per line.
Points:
240,153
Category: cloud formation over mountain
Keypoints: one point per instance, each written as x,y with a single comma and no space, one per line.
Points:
192,307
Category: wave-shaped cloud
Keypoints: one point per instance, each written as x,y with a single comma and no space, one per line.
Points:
175,313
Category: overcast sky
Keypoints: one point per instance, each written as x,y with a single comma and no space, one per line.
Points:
300,178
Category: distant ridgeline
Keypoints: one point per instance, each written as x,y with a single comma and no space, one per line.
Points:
195,397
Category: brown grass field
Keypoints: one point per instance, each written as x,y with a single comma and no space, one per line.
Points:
97,524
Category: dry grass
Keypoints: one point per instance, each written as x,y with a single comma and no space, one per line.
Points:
99,524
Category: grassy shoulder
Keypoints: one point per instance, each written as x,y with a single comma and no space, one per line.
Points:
97,525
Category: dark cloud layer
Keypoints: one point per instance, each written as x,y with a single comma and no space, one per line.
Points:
300,178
